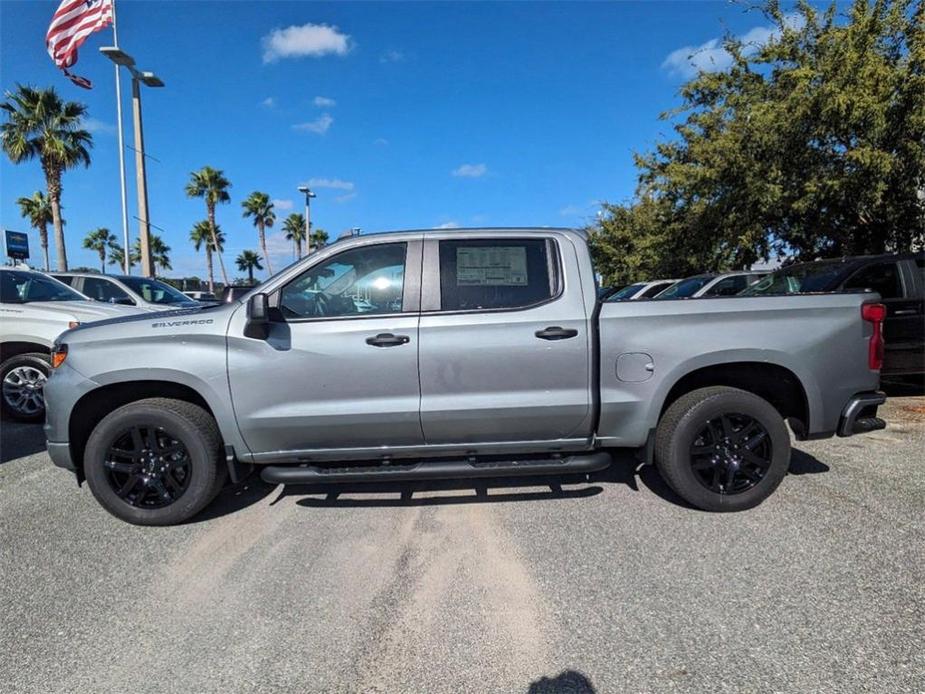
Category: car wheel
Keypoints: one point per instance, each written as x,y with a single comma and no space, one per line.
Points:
722,449
155,461
22,380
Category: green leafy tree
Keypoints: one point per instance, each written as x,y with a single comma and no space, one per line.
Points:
319,239
117,254
102,241
37,209
259,207
248,261
810,145
39,125
203,234
160,252
294,228
212,186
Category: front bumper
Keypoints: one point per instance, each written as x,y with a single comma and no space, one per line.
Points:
64,388
859,416
60,454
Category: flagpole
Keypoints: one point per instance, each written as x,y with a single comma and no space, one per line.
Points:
126,251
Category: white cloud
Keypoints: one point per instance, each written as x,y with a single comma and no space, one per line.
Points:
710,56
335,183
94,125
470,170
324,102
381,142
319,126
345,197
312,40
282,204
448,225
392,56
269,102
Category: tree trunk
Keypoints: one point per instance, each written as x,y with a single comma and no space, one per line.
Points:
53,181
261,232
103,261
221,263
43,242
209,267
298,248
250,274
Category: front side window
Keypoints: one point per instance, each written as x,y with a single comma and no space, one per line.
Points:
483,274
728,286
361,281
655,289
155,291
685,288
104,290
882,278
627,292
24,287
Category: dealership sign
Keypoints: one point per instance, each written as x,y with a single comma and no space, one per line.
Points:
17,245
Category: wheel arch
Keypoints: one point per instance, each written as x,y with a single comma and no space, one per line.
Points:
13,348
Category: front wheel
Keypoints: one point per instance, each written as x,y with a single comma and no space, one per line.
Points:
22,379
722,449
155,461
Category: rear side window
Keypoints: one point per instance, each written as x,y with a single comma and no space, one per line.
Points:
484,274
882,278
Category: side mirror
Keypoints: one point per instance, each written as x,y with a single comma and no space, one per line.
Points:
258,317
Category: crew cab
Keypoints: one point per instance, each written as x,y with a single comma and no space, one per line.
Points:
465,353
34,310
128,290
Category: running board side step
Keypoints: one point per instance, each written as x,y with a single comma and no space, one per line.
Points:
436,470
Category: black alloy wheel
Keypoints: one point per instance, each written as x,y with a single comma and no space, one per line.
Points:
148,467
731,454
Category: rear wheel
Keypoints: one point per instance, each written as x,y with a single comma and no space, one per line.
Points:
722,449
22,382
155,461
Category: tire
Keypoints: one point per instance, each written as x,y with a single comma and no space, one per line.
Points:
146,488
22,380
709,432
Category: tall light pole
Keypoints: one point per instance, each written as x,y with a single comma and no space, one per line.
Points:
308,217
149,79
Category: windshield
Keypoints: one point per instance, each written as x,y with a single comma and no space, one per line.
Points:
685,288
627,292
155,292
797,279
17,287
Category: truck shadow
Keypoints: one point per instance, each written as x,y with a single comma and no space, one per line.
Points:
20,439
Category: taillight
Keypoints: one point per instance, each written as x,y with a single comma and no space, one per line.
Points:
58,355
874,314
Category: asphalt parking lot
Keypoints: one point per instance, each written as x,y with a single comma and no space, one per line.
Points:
612,585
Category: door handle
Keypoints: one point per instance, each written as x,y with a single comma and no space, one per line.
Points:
388,340
556,333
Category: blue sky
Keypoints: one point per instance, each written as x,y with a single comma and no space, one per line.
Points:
401,115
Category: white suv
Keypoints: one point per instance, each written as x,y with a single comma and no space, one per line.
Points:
34,310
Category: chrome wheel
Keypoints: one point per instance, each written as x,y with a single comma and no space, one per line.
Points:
22,390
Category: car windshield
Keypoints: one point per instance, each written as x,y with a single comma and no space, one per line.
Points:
18,287
685,288
155,292
798,279
627,292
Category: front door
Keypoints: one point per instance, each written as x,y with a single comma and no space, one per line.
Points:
339,367
504,353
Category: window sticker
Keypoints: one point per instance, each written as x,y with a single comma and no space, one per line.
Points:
496,266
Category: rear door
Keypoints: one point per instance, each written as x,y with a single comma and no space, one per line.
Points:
505,351
902,330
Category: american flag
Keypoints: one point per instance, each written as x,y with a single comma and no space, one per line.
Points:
73,22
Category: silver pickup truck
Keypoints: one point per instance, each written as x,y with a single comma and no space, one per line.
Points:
456,354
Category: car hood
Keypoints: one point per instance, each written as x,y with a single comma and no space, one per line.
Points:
82,311
173,315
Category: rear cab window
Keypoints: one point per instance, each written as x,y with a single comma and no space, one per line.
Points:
497,274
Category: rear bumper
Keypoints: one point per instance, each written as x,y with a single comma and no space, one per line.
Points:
859,415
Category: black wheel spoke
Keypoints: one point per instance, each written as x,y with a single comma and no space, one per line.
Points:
124,468
171,483
703,464
755,440
756,460
128,485
137,441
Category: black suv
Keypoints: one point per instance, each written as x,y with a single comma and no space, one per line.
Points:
899,279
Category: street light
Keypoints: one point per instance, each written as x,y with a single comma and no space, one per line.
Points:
149,79
308,217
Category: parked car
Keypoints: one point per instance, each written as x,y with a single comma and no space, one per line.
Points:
641,290
204,297
725,284
233,293
898,279
34,310
475,353
129,290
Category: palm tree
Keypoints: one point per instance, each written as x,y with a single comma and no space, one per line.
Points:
212,186
116,256
319,239
160,252
41,126
294,227
247,261
37,210
259,206
100,240
203,234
